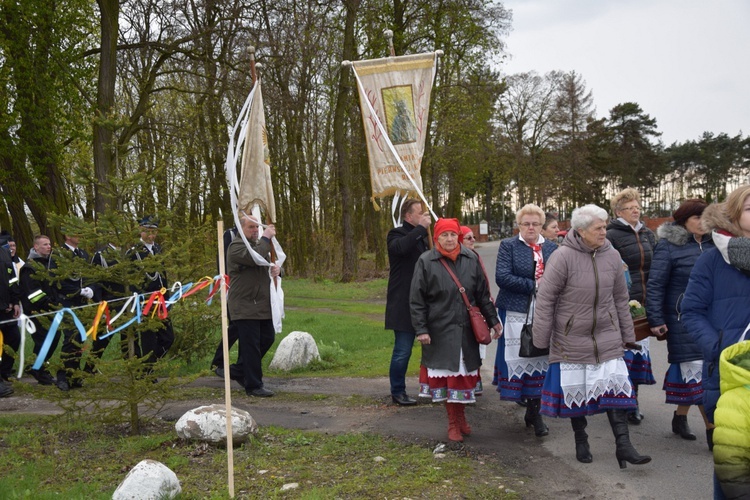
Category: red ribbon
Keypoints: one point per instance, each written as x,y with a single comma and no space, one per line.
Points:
198,287
161,305
216,288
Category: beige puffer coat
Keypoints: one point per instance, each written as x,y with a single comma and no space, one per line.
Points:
582,310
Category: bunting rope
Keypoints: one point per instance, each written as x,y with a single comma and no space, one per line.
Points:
133,303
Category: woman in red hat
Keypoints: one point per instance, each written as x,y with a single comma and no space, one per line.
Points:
450,353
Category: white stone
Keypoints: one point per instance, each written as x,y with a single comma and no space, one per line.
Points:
149,480
379,459
296,350
290,486
209,424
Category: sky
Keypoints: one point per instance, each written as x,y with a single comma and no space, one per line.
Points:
685,62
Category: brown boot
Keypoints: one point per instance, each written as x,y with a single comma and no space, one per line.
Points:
454,433
463,425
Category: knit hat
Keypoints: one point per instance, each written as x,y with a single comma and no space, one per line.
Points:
443,225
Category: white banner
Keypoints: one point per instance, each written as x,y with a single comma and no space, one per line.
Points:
394,94
255,179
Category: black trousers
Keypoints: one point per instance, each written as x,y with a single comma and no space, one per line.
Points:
256,337
39,336
155,344
232,337
12,339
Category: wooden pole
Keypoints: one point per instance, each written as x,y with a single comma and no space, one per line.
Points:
253,74
225,350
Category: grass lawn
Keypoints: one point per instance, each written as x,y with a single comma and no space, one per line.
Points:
76,456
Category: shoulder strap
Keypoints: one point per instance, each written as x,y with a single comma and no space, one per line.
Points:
458,283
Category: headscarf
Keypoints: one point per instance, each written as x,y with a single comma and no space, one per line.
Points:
441,226
464,231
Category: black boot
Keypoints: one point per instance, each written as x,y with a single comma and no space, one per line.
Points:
710,438
583,452
529,416
534,418
635,416
625,452
680,426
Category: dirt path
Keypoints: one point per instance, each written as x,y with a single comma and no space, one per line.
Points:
343,405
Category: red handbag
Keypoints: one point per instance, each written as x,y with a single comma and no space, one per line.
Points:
478,323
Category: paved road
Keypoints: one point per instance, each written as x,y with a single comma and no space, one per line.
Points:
679,469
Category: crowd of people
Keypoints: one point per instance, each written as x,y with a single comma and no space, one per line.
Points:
579,296
55,279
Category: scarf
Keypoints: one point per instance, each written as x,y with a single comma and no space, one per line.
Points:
452,255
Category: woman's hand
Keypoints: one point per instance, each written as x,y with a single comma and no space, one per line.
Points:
497,331
424,338
659,331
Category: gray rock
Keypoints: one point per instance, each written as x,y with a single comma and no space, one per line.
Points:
148,480
296,350
209,424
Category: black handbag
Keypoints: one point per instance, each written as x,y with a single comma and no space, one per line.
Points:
527,348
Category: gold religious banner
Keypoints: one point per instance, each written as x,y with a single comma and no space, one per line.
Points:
394,95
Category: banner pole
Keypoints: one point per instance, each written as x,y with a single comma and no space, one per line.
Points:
225,350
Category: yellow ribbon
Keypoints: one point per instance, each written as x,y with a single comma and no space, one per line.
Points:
95,327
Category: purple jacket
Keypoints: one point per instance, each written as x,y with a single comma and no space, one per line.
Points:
582,310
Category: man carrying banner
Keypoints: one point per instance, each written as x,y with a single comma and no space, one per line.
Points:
249,301
405,245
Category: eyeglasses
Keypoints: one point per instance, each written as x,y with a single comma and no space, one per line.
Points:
530,224
470,238
631,209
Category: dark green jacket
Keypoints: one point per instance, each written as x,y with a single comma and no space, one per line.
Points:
249,284
438,309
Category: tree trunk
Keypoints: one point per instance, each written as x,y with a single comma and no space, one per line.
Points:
349,261
105,100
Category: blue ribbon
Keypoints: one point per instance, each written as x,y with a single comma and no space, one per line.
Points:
53,330
178,294
217,282
134,319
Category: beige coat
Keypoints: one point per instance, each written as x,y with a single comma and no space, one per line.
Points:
582,310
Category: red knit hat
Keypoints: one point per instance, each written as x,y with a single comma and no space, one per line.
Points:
443,225
464,231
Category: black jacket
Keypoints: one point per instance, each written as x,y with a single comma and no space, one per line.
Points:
10,291
154,276
113,286
69,289
438,309
636,250
37,292
405,245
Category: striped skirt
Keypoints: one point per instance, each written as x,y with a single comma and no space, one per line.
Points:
577,390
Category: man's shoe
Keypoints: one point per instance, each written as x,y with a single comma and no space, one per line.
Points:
219,372
403,400
42,376
76,383
260,392
5,390
63,385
